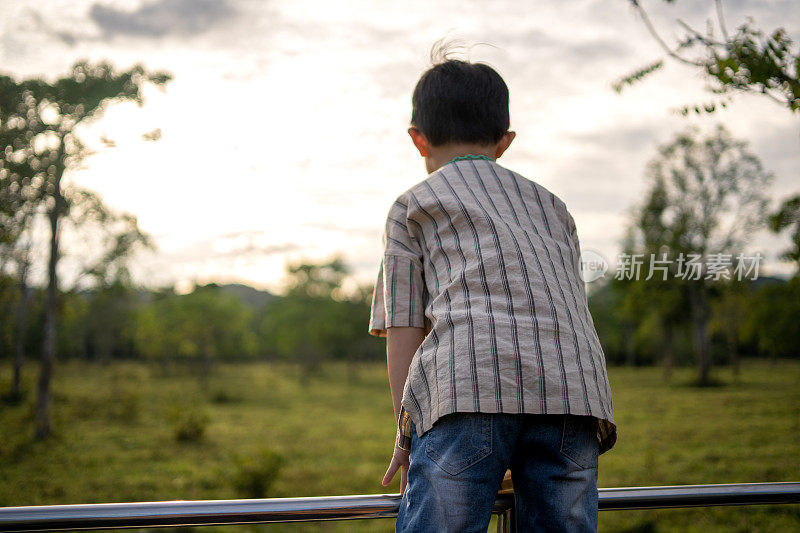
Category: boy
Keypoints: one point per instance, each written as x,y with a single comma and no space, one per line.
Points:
489,336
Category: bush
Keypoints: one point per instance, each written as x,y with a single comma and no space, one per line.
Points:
223,396
255,474
189,424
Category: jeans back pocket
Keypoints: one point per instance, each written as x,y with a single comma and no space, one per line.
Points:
579,440
459,440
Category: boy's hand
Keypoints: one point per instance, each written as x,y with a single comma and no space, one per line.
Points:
400,459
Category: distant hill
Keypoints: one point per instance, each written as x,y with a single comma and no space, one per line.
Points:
766,280
252,297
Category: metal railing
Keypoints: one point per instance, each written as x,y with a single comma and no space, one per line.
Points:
218,512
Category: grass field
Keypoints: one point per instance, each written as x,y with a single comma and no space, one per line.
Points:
114,438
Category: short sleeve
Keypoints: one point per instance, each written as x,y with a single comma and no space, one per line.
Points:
399,296
377,315
576,243
573,233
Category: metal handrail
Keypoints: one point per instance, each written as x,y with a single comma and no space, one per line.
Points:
217,512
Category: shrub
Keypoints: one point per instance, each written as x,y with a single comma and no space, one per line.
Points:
188,423
255,474
223,396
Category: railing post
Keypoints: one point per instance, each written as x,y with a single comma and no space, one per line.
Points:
506,522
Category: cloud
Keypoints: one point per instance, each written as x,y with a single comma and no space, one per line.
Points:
624,138
364,231
162,18
248,245
27,22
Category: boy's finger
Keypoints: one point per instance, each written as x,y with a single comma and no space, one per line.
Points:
390,472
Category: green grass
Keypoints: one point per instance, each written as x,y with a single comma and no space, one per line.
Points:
114,438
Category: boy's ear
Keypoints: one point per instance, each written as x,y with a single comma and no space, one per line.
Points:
419,141
505,142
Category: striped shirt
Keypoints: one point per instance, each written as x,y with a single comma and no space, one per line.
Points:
488,262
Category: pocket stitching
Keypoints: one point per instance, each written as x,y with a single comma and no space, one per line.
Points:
570,453
479,453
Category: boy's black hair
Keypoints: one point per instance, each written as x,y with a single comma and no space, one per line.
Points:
458,101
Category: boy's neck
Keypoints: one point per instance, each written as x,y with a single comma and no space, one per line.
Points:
438,156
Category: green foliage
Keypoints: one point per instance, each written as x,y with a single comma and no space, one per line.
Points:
205,324
39,125
316,321
636,75
317,280
746,61
772,318
117,321
608,321
38,128
788,216
110,319
255,474
706,196
700,183
72,326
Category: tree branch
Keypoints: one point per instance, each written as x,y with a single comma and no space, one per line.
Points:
657,37
722,21
698,36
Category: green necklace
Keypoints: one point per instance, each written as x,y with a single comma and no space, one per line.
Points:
468,157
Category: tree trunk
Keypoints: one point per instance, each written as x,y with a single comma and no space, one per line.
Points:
702,348
43,400
19,339
49,336
666,354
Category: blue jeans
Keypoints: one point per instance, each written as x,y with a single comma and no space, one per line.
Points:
458,465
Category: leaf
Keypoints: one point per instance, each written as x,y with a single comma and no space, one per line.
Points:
636,75
152,135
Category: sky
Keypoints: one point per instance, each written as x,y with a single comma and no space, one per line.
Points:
283,131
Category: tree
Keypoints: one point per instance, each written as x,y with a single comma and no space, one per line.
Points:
788,216
772,318
663,294
202,326
110,314
102,241
315,320
41,120
632,307
729,316
20,207
302,325
745,61
706,197
21,254
317,280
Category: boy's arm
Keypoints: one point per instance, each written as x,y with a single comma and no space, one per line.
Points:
401,344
